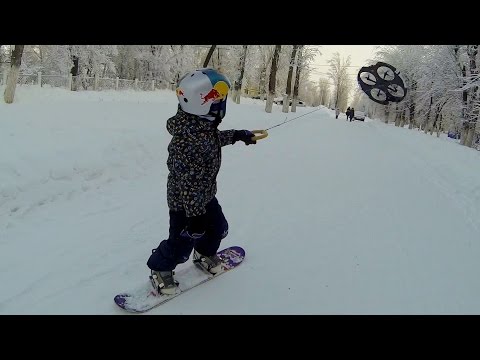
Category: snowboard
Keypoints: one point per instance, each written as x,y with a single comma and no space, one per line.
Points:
145,297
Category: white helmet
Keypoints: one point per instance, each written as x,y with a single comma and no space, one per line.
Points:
203,92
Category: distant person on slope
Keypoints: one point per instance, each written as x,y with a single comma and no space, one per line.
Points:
196,219
348,113
337,112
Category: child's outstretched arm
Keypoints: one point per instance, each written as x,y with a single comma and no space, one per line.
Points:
226,137
229,137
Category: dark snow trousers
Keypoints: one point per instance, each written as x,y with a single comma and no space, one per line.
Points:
177,249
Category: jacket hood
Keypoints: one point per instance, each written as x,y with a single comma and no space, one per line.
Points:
182,123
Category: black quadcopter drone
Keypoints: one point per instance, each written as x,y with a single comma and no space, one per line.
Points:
382,83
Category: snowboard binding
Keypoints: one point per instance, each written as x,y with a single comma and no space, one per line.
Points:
158,285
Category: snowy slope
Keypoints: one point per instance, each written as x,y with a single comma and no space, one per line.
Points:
336,217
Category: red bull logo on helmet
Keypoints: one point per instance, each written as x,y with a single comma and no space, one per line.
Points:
219,92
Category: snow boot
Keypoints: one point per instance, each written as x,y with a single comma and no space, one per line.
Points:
211,264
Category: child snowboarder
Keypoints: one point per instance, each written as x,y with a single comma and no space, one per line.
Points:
196,219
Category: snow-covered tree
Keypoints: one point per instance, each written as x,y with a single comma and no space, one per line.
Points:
209,55
288,90
300,67
409,60
473,101
338,73
272,79
442,80
324,91
263,62
306,54
95,59
241,71
15,62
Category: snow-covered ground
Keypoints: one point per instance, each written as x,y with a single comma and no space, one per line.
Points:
336,217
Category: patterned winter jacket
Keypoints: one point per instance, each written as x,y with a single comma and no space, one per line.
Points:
194,161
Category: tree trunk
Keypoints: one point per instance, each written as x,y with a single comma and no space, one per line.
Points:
272,80
463,134
74,72
297,78
269,102
288,91
74,69
469,135
439,126
431,125
411,108
387,113
238,83
209,55
402,117
397,116
411,115
16,61
472,113
464,130
410,124
261,82
464,95
218,58
427,120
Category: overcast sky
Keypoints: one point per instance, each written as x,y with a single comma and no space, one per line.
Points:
359,55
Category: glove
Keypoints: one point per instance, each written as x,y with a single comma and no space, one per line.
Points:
245,136
195,228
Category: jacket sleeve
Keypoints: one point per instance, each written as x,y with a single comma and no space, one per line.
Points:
226,137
